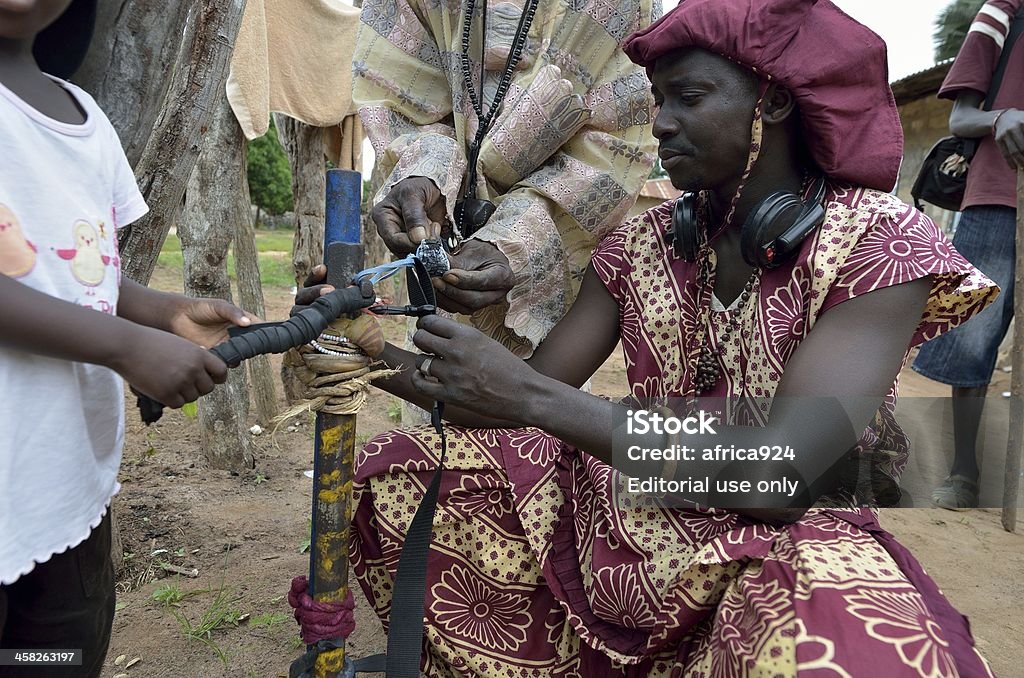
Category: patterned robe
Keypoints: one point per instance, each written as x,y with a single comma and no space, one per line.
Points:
543,565
566,157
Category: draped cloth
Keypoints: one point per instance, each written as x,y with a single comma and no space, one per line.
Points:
295,58
542,564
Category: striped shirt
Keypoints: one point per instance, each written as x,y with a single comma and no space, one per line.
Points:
567,155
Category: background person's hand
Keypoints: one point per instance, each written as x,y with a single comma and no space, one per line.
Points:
469,369
313,287
480,275
412,211
1009,136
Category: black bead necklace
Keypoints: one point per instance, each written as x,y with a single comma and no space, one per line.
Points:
708,368
471,213
705,363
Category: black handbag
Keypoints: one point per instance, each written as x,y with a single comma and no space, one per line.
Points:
942,178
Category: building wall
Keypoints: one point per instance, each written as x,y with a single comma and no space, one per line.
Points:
925,121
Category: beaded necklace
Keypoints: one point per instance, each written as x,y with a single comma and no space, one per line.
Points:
471,213
707,369
708,366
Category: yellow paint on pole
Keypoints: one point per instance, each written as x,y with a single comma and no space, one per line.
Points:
330,437
329,663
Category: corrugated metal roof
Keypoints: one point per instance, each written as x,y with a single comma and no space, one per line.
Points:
921,84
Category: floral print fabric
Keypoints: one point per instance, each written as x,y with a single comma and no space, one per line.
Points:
542,565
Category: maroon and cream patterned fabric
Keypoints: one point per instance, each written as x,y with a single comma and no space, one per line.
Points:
543,565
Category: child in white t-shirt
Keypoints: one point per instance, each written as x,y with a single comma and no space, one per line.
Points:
72,329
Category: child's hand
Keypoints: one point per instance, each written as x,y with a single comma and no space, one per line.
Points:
169,369
206,321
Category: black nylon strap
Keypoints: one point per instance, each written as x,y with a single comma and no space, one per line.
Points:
405,628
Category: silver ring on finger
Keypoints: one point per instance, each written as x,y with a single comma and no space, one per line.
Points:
425,366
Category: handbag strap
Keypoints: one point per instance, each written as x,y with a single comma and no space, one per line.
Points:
971,145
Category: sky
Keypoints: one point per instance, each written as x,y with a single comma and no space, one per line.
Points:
905,25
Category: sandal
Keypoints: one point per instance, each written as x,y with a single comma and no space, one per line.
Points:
956,493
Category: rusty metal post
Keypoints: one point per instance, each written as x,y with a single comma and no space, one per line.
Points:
334,445
1015,441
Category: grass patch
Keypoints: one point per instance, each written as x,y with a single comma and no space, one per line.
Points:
269,619
274,250
171,595
221,614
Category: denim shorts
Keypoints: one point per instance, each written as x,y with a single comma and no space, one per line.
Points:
966,355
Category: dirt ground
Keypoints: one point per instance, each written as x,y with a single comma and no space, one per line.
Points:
244,534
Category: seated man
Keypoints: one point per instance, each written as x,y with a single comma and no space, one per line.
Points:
541,562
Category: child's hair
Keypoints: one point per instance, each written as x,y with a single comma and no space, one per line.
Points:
61,47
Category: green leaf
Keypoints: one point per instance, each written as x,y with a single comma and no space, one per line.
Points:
190,410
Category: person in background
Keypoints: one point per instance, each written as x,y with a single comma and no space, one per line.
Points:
965,357
518,130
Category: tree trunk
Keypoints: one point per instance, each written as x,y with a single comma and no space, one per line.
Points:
212,208
250,292
127,68
134,49
305,148
196,89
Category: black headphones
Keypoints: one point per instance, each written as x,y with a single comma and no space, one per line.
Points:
772,232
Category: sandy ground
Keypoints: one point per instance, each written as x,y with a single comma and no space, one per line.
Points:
244,534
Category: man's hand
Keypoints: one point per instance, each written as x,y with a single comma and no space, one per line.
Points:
412,211
480,276
206,321
1009,136
469,369
313,288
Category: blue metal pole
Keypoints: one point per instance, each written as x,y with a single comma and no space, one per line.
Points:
334,445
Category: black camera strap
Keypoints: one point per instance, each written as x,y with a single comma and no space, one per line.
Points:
408,595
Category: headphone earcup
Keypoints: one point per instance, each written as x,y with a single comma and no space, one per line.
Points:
762,226
778,225
685,228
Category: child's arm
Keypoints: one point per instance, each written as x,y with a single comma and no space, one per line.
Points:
202,321
167,368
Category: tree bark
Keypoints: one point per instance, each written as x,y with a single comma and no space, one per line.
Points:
305,148
250,291
212,209
171,152
127,69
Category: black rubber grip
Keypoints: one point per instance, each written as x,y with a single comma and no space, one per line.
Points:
298,330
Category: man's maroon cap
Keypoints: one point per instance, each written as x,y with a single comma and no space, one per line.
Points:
835,67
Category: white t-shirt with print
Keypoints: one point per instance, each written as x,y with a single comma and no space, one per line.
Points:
64,190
